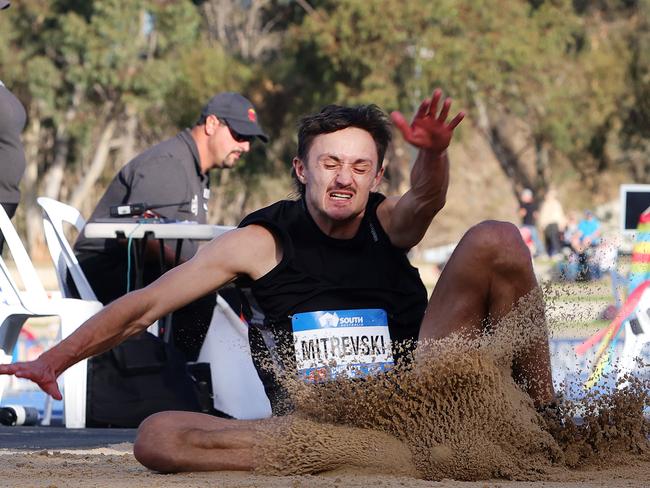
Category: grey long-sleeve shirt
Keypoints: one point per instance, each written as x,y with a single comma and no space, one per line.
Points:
12,153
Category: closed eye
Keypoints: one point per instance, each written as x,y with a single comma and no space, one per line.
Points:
360,168
332,165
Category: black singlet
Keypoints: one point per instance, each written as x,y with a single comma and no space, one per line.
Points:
318,272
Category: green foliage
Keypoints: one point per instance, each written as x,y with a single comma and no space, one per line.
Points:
576,73
44,82
637,122
341,54
198,74
177,25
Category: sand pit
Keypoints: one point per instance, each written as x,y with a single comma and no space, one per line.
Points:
455,414
110,467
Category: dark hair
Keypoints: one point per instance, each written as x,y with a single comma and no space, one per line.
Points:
201,120
204,117
335,117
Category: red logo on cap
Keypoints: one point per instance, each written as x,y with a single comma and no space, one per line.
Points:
252,116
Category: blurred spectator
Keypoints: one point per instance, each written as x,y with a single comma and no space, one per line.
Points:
588,234
12,155
584,262
528,239
570,229
528,212
605,256
553,222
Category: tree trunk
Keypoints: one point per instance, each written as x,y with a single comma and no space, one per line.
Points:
96,166
542,167
54,175
397,163
508,159
127,148
218,200
33,221
236,208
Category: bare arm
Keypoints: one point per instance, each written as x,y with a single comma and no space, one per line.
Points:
251,251
407,218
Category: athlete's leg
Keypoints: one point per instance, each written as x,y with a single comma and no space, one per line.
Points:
489,271
186,441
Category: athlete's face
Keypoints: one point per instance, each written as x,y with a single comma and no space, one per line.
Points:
225,145
340,171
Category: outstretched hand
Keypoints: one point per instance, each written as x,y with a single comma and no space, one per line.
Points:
37,371
428,130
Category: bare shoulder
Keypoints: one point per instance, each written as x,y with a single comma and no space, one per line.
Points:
252,250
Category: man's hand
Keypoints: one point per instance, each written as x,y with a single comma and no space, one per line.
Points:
428,131
37,371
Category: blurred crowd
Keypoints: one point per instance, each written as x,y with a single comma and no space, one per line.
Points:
573,241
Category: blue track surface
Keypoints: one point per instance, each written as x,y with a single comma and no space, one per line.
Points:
570,371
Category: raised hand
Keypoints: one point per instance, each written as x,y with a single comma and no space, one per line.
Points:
37,371
428,130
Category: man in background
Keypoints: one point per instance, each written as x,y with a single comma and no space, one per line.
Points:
589,233
528,211
172,180
12,154
553,222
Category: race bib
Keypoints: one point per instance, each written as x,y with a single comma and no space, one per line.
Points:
341,342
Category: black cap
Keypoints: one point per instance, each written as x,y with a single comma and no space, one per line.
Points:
237,111
4,4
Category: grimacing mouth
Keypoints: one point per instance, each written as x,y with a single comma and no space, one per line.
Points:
341,195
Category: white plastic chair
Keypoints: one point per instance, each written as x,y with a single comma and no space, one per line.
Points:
32,301
12,318
55,214
237,388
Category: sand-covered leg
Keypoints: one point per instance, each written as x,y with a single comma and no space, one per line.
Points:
184,441
296,446
489,272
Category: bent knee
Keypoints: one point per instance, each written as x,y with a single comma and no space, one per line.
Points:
155,442
499,241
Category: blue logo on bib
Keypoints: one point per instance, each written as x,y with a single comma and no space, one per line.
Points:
334,342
